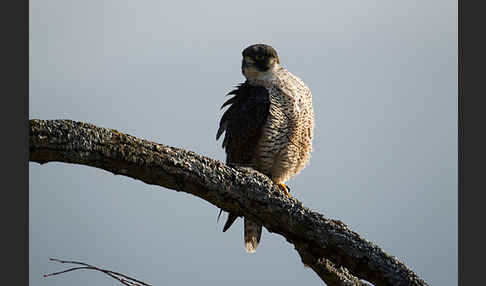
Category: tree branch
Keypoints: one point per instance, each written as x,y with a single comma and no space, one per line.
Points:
338,255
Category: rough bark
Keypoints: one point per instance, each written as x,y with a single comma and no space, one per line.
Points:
337,254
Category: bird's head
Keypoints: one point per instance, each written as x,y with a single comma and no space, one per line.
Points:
259,61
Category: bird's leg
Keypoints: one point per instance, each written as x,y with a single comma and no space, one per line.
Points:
284,188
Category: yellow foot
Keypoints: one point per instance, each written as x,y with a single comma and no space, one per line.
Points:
116,131
283,187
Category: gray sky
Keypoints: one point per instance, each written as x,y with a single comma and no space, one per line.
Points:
384,80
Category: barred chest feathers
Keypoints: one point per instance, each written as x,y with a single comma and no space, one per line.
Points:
286,142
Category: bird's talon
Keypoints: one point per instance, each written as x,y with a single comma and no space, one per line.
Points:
284,188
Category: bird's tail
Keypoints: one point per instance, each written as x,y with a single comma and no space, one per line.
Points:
253,233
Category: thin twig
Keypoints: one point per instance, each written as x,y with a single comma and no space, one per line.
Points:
124,279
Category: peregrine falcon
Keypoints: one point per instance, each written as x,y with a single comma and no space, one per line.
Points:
268,125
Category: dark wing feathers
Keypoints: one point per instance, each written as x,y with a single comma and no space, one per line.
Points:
229,221
229,101
242,122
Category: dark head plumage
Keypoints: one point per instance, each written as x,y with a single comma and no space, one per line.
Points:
260,49
259,56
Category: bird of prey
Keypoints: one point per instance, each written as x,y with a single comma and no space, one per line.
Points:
268,125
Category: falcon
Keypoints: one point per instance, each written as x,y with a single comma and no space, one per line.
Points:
268,125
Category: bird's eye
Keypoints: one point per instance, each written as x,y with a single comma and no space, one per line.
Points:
259,57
